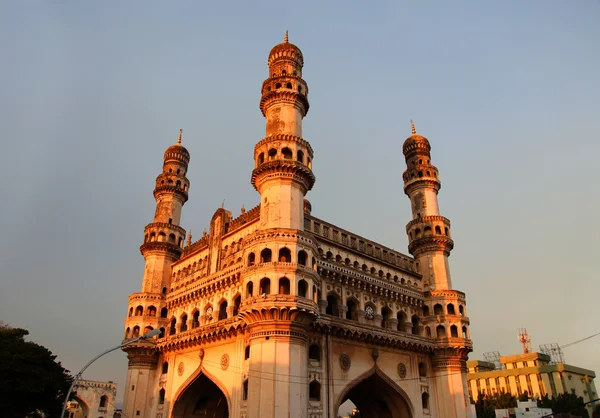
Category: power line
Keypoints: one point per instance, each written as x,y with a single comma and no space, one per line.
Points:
579,341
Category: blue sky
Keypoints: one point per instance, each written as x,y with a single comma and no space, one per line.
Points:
507,93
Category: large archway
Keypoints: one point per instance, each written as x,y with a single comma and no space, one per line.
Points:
201,398
375,397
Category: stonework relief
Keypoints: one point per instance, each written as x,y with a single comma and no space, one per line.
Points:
345,362
224,361
180,368
402,370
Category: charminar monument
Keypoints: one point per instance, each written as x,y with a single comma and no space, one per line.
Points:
276,313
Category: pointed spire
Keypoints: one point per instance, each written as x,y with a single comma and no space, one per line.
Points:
223,204
243,209
286,38
179,139
412,127
189,238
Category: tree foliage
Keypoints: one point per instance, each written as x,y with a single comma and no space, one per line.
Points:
486,405
32,383
565,403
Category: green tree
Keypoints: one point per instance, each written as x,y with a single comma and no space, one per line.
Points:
486,405
32,383
565,403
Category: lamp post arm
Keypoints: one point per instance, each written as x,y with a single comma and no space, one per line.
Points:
78,375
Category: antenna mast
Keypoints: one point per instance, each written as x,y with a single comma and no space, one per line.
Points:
525,340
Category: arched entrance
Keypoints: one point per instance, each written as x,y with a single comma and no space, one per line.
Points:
201,398
375,397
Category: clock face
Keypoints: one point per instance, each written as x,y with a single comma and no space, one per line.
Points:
369,311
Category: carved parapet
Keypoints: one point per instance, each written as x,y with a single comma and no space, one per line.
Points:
285,138
433,243
452,358
142,353
299,100
283,168
421,183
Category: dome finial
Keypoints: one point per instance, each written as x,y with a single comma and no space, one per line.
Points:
179,139
412,127
285,38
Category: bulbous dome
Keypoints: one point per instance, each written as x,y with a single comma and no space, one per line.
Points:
177,152
286,50
415,141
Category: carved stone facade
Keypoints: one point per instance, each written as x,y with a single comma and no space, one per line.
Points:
279,313
92,399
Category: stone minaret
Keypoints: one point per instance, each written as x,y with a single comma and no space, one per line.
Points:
280,280
430,243
283,160
147,310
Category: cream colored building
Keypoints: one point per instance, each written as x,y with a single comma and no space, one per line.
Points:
531,372
278,313
92,400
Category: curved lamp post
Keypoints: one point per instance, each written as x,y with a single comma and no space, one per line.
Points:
147,335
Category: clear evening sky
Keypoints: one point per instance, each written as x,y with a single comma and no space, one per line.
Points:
92,93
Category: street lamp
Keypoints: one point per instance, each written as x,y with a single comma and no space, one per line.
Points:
147,335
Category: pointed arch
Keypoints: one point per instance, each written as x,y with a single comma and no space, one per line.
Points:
374,374
198,374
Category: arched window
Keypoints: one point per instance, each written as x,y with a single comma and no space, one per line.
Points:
139,311
288,85
162,237
302,288
464,332
165,367
438,310
373,270
416,325
440,331
333,305
338,258
183,326
245,390
251,259
265,256
272,154
302,258
223,310
130,311
151,311
103,402
196,319
438,230
172,238
454,331
314,391
425,310
285,255
284,286
147,330
127,332
387,314
300,156
356,265
164,290
425,400
161,397
314,352
265,286
287,153
427,332
164,312
402,320
261,158
352,312
172,329
247,353
136,332
461,310
422,370
162,333
249,288
236,305
451,310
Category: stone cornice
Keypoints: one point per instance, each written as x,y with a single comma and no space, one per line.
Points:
422,183
143,297
299,100
160,248
446,293
355,331
289,308
291,169
429,218
170,189
434,243
221,330
359,280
